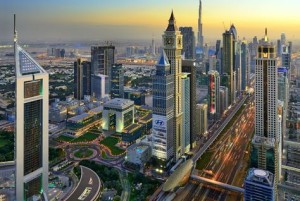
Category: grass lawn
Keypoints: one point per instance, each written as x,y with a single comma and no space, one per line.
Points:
87,137
83,153
3,142
204,160
64,138
110,142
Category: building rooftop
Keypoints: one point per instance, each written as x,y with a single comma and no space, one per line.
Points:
131,128
96,110
79,118
146,118
119,103
262,177
138,148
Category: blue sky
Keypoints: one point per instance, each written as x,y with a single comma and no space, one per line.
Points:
140,19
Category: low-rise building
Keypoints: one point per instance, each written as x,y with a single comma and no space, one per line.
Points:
139,153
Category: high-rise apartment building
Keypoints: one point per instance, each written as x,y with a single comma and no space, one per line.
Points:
266,142
163,111
245,65
188,42
32,94
188,66
117,81
223,99
172,40
201,120
227,65
82,78
213,94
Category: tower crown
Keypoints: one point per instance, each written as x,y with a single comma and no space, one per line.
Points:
172,23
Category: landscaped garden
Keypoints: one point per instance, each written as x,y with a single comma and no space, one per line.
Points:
87,137
110,142
83,153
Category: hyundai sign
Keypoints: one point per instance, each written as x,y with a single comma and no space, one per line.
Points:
159,122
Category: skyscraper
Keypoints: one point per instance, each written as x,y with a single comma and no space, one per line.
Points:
266,142
188,66
200,36
82,78
227,65
32,94
186,124
172,40
117,81
201,119
163,111
188,42
213,94
259,185
102,59
245,66
99,86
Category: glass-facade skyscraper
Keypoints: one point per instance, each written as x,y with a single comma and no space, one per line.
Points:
117,81
32,94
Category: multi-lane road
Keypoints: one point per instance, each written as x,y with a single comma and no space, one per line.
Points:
227,160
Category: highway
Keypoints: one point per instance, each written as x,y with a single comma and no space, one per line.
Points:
88,187
226,161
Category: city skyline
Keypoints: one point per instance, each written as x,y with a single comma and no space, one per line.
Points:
105,20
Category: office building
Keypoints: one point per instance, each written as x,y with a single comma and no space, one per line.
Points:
214,94
163,111
186,117
31,156
266,142
100,84
259,185
136,96
172,40
188,42
117,81
82,79
245,66
227,65
188,66
200,34
102,60
117,114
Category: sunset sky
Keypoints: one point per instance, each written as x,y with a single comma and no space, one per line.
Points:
65,20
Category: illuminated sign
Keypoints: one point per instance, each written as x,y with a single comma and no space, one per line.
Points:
159,122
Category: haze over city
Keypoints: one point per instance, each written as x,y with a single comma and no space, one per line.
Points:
135,19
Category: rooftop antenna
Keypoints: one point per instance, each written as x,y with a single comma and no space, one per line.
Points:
15,32
224,26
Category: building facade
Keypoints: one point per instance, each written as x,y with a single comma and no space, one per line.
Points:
186,107
163,111
201,120
172,42
32,94
214,94
259,185
266,141
100,84
117,81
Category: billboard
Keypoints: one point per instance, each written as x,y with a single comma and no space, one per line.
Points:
159,122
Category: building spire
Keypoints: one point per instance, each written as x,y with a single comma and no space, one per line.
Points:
15,31
172,23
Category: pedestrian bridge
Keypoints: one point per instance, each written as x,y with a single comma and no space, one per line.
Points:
217,183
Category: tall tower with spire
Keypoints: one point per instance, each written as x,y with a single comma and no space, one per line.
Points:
200,36
32,94
172,40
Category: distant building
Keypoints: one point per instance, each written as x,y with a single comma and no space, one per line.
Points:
188,42
82,78
214,94
117,81
138,153
102,60
100,84
259,185
57,113
245,66
186,117
118,113
201,120
136,96
223,99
